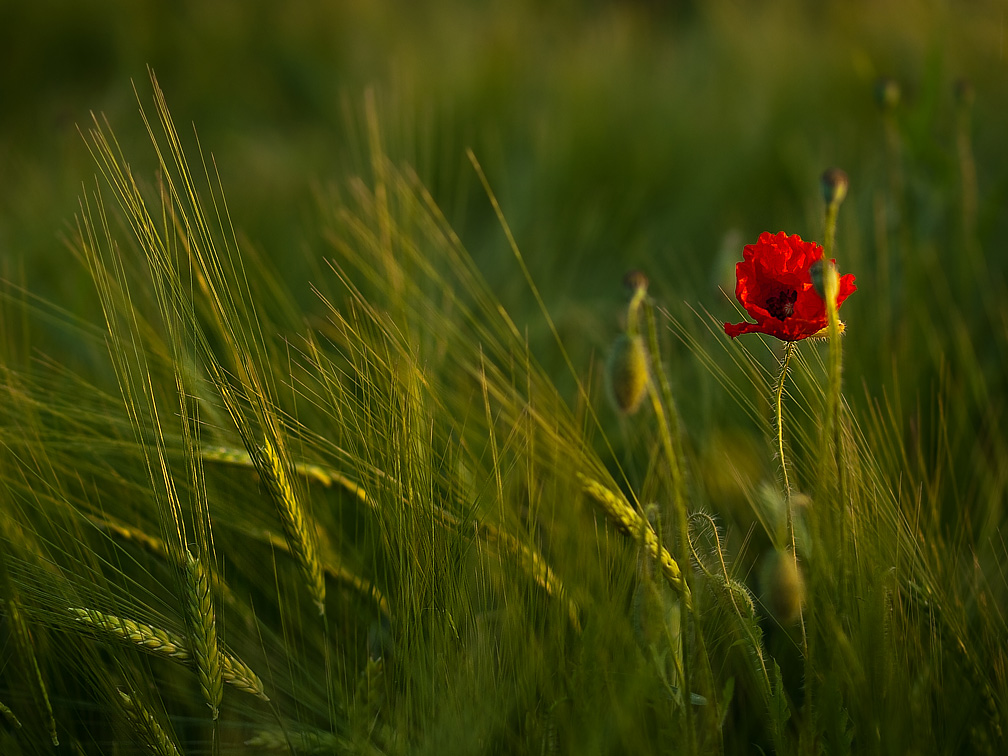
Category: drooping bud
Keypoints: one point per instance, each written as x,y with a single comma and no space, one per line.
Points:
834,185
887,93
627,372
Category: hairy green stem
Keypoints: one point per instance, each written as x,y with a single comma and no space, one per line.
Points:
789,507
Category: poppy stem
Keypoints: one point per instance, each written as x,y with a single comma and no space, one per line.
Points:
788,508
788,349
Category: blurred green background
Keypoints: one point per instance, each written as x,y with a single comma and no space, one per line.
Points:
616,134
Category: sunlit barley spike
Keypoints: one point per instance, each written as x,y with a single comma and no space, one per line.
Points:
164,643
148,637
27,649
203,632
300,536
126,532
146,726
321,474
626,518
537,568
238,674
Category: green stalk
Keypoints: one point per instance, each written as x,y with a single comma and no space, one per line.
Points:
671,439
789,348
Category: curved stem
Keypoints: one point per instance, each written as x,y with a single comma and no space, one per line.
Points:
788,351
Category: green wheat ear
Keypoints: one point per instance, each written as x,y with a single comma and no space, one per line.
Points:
298,528
627,519
169,645
202,627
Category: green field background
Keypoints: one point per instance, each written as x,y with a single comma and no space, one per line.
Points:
616,136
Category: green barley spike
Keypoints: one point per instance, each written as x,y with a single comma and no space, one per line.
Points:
203,632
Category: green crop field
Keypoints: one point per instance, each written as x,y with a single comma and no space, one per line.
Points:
473,377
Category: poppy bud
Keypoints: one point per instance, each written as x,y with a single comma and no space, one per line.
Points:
783,586
824,277
741,598
834,186
635,281
627,372
887,93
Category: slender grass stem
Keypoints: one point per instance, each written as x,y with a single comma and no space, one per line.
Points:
669,430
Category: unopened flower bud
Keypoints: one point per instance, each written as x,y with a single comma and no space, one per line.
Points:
834,185
783,586
825,277
887,93
635,281
627,372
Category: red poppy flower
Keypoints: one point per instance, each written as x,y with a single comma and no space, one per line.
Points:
774,285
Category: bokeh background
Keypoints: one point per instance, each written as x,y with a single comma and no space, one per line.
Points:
616,135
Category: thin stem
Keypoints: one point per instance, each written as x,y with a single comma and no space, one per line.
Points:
788,349
789,509
669,430
832,210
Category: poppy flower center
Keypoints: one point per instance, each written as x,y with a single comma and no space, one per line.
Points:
782,305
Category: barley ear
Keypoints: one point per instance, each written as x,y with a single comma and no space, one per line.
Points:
164,643
147,727
199,615
297,527
238,674
149,638
627,519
